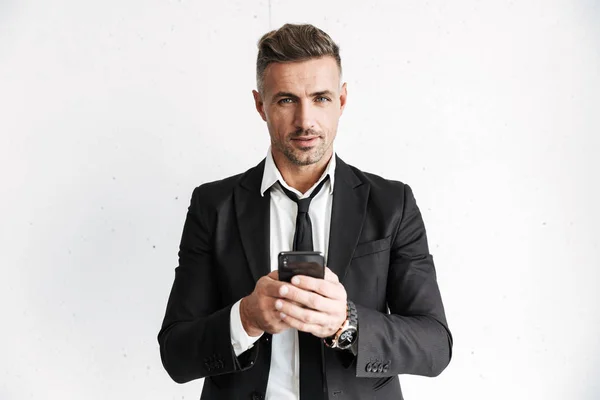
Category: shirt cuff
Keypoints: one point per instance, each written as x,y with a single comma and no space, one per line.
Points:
240,340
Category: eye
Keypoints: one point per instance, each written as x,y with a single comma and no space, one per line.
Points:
286,100
322,99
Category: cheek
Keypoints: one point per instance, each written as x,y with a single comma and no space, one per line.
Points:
279,122
276,128
330,121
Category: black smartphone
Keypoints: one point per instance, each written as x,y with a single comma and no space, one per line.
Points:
309,263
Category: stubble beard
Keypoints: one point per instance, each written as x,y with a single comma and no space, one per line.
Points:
302,156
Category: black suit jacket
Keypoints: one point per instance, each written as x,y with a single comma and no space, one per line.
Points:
377,247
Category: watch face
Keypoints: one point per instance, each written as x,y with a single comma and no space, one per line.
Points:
347,338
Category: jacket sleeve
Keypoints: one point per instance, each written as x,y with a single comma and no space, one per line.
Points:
194,338
414,337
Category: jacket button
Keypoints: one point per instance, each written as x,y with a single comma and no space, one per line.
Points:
379,368
257,396
385,368
368,368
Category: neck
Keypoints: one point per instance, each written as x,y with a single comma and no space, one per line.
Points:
301,177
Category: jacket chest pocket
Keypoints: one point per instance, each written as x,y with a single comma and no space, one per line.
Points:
374,246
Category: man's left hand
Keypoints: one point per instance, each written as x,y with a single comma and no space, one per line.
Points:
313,305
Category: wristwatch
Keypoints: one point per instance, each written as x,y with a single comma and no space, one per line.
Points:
348,333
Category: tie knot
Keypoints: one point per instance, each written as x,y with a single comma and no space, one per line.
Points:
303,204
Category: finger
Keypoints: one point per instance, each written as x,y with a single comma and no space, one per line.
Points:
308,299
274,275
316,330
303,314
276,324
272,287
330,275
332,290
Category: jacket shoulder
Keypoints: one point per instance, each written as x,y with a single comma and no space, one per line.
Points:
387,195
218,190
213,194
379,183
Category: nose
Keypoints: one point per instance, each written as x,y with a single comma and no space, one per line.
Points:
304,117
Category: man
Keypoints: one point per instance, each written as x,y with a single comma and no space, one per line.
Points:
231,321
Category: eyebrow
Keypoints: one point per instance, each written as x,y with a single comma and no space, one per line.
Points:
322,93
284,94
314,94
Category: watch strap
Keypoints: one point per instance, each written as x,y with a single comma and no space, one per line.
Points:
351,323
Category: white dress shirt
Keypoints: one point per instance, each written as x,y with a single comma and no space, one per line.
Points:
284,374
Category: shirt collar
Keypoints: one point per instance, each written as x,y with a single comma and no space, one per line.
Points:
271,175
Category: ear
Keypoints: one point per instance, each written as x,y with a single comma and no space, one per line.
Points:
260,106
343,97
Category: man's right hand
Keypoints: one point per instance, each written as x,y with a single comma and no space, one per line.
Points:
257,310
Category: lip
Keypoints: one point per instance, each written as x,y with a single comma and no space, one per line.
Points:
306,140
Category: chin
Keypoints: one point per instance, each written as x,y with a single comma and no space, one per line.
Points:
303,158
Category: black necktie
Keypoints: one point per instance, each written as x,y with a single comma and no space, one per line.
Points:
303,234
312,382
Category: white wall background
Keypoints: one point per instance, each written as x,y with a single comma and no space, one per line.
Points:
111,112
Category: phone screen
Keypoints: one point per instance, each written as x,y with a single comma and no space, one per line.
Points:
309,263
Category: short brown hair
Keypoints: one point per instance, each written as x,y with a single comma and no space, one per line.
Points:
293,43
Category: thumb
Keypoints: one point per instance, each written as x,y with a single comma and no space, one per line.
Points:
274,275
330,275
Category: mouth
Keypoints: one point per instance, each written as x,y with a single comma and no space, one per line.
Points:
305,141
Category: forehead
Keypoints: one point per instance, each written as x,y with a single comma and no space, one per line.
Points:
314,74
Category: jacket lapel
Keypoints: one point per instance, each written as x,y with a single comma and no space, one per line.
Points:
350,196
253,218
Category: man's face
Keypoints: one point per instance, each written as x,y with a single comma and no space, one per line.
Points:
302,103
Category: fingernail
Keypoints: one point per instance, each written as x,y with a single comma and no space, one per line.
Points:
283,316
296,280
283,290
278,304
